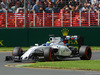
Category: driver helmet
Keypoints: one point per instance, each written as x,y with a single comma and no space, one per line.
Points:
47,43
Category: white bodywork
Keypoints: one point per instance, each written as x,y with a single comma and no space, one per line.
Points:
56,43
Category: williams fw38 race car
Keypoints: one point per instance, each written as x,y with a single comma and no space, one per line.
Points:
56,48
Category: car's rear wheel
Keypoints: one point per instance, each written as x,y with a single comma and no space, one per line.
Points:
85,53
49,54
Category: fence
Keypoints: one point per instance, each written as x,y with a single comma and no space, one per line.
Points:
62,19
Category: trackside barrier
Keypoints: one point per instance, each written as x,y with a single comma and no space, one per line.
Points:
31,36
62,19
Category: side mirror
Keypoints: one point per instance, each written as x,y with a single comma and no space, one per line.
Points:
36,44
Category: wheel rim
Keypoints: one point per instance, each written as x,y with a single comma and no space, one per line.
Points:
88,53
51,54
20,51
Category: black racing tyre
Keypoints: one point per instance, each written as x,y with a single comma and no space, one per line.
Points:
17,51
48,54
85,53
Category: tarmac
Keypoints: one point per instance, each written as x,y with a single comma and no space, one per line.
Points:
5,70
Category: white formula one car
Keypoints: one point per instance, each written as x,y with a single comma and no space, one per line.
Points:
55,49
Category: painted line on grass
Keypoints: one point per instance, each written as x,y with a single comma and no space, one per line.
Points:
18,65
23,66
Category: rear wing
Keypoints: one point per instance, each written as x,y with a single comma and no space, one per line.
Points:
73,40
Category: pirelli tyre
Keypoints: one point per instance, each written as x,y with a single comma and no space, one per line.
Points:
85,53
17,51
48,54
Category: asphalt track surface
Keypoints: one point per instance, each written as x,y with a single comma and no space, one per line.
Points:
33,71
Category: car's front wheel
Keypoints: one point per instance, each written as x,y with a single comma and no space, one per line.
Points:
49,54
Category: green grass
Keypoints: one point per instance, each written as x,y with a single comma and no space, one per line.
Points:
94,48
11,48
79,65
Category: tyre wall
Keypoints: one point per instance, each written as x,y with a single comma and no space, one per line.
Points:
30,36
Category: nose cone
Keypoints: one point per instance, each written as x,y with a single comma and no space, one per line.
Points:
24,58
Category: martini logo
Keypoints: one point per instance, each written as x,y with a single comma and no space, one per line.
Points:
1,42
74,42
65,32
